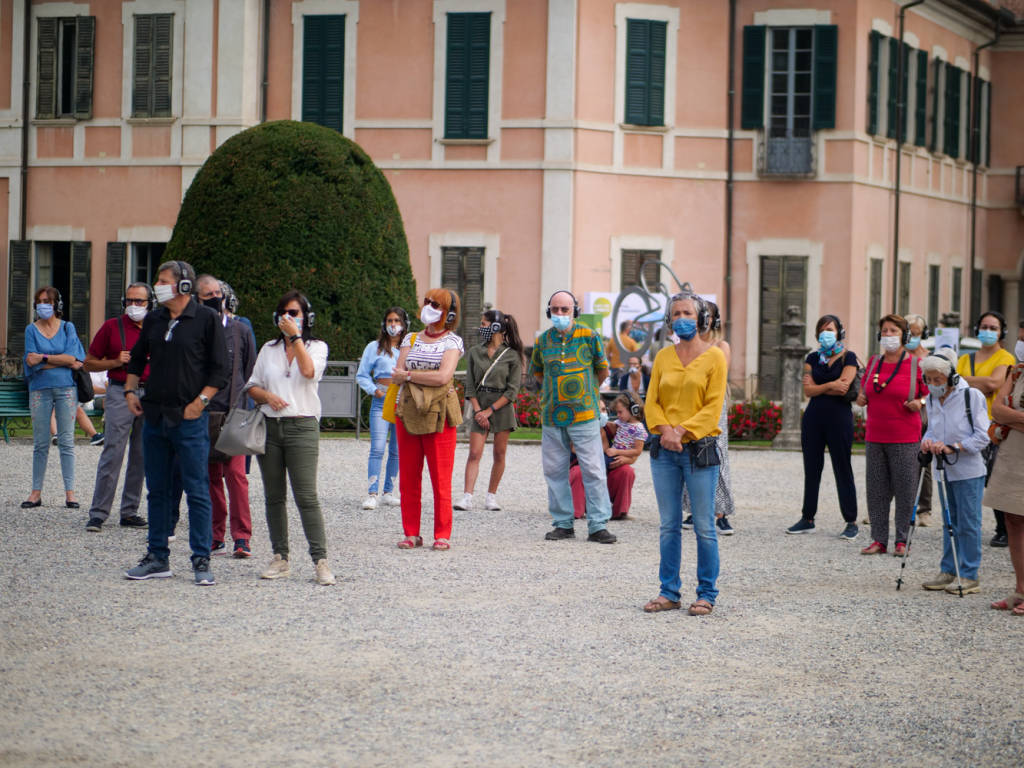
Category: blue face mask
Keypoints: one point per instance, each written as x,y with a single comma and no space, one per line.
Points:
561,322
684,327
45,311
937,390
913,343
827,340
637,334
602,419
988,337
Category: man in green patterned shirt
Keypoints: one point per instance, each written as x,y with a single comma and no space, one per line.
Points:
568,359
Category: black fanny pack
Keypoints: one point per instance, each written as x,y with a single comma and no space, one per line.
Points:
703,452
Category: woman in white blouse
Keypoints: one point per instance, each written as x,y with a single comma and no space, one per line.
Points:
284,383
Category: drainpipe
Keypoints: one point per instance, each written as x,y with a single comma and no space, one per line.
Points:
730,117
266,60
900,117
25,90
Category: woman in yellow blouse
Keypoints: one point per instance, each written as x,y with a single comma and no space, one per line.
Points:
684,401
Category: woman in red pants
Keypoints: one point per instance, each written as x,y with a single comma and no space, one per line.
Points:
427,362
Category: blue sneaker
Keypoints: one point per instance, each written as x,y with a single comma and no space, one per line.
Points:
201,568
724,528
849,532
149,567
802,526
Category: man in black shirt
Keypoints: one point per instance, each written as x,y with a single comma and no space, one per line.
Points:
183,342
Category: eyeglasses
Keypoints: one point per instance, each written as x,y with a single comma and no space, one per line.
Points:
293,312
170,329
137,302
560,310
431,302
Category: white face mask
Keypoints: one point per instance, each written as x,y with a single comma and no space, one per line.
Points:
136,313
394,329
429,315
1018,350
889,343
164,293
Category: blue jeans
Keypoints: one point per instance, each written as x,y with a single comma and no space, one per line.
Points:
586,441
189,441
964,497
43,402
670,472
382,434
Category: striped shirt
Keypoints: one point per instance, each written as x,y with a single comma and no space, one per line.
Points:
426,353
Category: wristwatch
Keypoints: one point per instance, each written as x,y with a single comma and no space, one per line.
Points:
46,359
204,400
294,337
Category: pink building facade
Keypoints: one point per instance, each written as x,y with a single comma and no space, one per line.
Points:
535,145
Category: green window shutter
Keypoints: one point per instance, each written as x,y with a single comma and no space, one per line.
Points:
85,41
826,60
890,112
153,59
323,70
117,260
905,85
874,53
987,154
46,87
645,71
752,99
163,51
142,101
81,274
921,99
467,75
937,119
951,125
20,253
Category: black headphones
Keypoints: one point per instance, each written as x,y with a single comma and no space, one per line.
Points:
575,304
186,279
952,378
904,336
716,321
453,309
395,311
703,313
59,306
498,324
635,406
150,299
230,299
998,316
308,315
840,330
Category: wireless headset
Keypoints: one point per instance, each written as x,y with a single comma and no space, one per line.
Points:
998,316
952,378
840,330
703,313
186,279
150,299
904,336
230,299
635,406
59,306
575,304
308,315
453,309
498,324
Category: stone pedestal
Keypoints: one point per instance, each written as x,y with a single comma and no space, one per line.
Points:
793,351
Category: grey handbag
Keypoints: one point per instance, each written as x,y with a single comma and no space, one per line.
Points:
244,432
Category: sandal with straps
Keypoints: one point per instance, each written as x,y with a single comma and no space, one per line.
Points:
700,608
441,545
1008,603
661,603
411,542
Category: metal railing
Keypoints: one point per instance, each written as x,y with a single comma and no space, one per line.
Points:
787,157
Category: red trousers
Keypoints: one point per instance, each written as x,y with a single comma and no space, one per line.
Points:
232,472
438,448
620,490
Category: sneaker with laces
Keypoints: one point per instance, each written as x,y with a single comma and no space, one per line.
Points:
492,505
723,526
95,525
218,548
924,519
390,499
134,521
801,526
555,534
688,523
96,439
849,532
201,571
371,501
149,567
971,586
465,504
939,582
324,577
604,536
242,548
278,569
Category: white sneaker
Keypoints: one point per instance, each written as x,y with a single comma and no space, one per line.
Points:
324,577
492,504
371,502
390,499
465,504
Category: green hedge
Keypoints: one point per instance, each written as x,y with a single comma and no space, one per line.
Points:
295,205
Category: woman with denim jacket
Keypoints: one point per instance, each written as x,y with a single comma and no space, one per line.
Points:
373,377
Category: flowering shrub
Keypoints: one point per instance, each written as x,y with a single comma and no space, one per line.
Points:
758,419
858,426
528,409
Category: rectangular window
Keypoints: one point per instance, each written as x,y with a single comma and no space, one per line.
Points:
903,305
65,67
467,76
645,71
956,296
146,258
874,296
790,87
982,105
66,266
995,294
462,271
151,84
633,261
323,70
934,272
783,285
938,116
874,83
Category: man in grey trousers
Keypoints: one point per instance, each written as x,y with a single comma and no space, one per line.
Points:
109,351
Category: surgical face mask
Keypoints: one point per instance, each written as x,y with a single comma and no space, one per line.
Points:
164,293
937,390
394,329
684,327
561,322
1018,350
913,343
988,337
429,315
135,313
485,333
602,418
637,334
634,369
215,303
827,340
45,311
889,343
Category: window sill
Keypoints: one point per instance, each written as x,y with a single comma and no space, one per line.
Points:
465,142
151,120
644,128
55,121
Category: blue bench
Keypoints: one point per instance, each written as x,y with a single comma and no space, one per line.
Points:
14,404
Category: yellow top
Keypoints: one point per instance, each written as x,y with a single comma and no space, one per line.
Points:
691,396
1000,357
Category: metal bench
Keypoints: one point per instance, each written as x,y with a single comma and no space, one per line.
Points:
13,403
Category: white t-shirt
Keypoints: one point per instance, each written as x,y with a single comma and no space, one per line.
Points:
426,353
273,374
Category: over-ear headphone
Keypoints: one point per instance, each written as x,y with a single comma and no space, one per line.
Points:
186,280
453,309
150,298
952,378
498,324
575,304
59,306
904,337
998,316
230,299
395,311
840,330
308,315
703,313
635,406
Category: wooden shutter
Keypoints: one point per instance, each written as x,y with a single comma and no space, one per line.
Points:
472,290
323,70
142,97
890,111
46,87
163,52
117,258
938,120
752,98
874,51
921,99
905,85
783,284
986,156
467,75
903,305
20,253
81,255
631,261
933,294
826,39
957,290
874,297
951,118
85,42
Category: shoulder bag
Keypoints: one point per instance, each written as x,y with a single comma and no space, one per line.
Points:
243,432
391,396
854,391
83,382
467,410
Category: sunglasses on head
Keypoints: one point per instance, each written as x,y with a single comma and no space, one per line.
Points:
431,302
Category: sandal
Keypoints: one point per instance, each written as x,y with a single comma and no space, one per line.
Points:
701,608
411,542
1008,603
441,545
659,604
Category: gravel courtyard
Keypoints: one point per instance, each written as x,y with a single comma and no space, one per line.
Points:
506,651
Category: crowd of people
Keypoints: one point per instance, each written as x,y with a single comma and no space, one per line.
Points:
178,360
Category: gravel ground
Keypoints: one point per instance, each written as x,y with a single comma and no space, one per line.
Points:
508,650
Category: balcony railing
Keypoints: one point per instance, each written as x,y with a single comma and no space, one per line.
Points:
787,157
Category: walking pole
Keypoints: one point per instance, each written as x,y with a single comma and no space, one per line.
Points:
940,461
924,459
